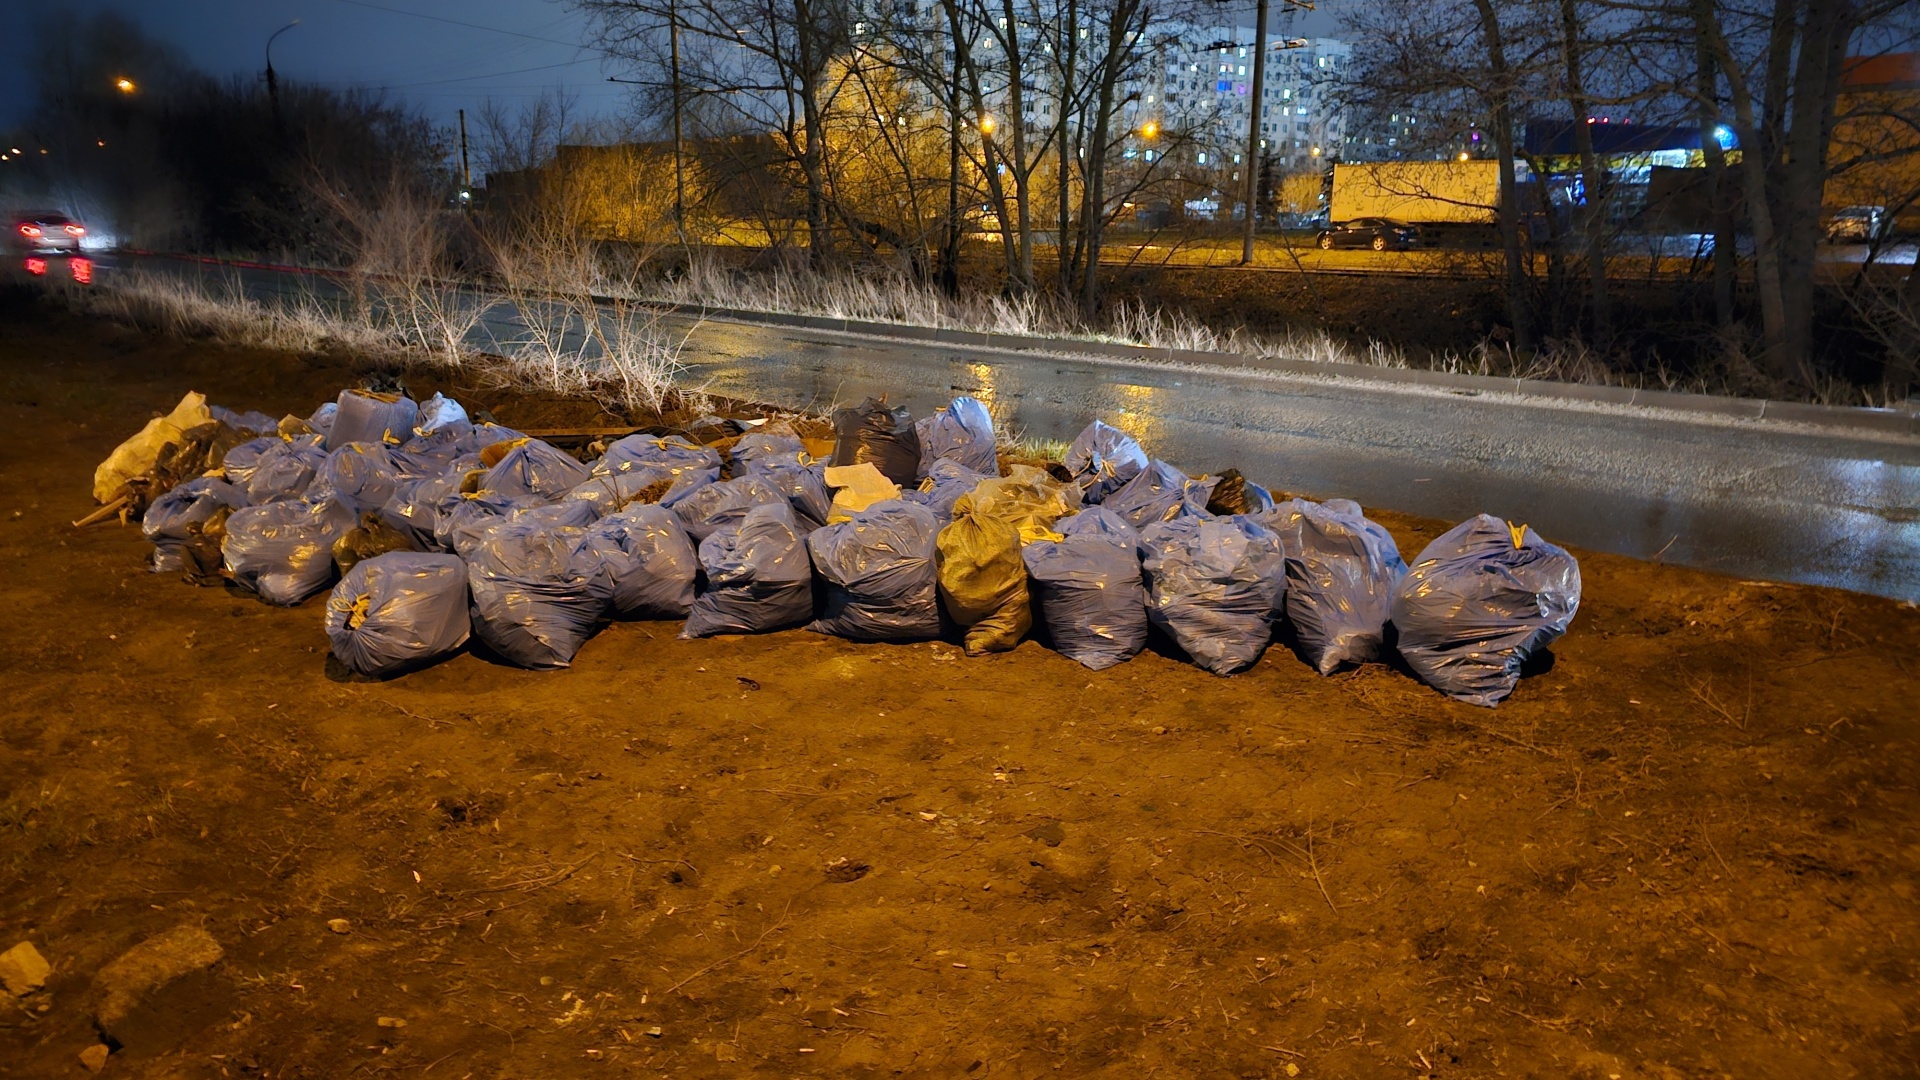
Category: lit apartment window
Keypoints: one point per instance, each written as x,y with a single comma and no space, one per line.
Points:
1200,158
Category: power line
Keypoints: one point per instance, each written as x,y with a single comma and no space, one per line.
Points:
471,25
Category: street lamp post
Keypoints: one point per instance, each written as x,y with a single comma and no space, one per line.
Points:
1254,106
273,83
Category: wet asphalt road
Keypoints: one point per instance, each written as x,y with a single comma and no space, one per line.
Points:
1757,500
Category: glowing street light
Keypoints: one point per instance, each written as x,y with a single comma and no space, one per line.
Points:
1149,130
1464,156
124,85
987,124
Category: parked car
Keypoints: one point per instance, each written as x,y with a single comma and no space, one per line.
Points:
45,231
1378,233
1855,224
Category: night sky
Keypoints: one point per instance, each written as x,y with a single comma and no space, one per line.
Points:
388,45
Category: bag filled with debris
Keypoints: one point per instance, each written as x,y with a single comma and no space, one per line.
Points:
284,550
758,576
961,433
398,612
361,474
463,519
1027,498
804,485
872,433
1235,494
1342,573
713,506
240,462
1102,459
370,416
254,423
371,538
528,466
285,470
137,455
1478,602
414,507
946,484
767,446
1215,585
437,412
687,465
1160,492
531,604
1088,588
879,574
983,579
641,561
181,515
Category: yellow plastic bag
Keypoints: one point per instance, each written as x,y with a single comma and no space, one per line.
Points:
1028,499
983,579
137,455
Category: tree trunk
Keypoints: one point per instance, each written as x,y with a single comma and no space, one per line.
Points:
1725,239
1594,218
1509,183
1825,29
1016,103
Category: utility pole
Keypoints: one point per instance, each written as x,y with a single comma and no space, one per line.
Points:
1254,109
679,147
466,173
273,83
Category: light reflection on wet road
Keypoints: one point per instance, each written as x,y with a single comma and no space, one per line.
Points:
1757,501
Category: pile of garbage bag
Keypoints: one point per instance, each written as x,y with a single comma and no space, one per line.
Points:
440,529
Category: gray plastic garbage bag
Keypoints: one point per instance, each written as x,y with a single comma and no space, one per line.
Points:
715,505
360,474
805,487
871,432
398,612
535,468
691,466
1342,573
257,422
1478,602
367,416
464,520
946,483
286,470
961,433
1088,588
240,462
170,523
1215,585
758,576
414,507
641,560
531,604
321,419
877,569
284,550
1160,492
761,448
438,412
1102,459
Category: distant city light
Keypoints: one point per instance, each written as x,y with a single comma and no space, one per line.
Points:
124,85
1724,135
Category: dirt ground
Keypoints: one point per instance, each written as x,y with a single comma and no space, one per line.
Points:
1689,849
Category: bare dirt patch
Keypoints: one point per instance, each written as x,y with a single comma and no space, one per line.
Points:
1687,849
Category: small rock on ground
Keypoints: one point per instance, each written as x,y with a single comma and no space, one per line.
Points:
95,1057
23,970
147,967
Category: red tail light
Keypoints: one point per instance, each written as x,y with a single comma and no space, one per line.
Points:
36,266
29,230
82,270
76,230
